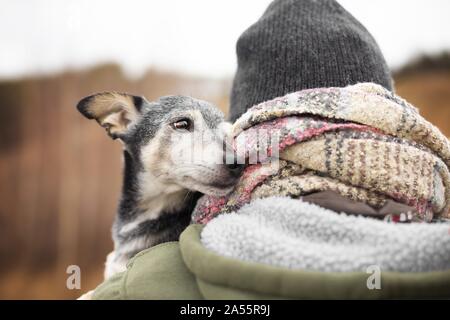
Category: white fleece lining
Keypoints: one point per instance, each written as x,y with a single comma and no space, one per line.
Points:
289,233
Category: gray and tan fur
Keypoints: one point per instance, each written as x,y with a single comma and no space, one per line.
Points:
159,193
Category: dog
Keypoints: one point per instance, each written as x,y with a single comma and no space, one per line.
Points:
161,183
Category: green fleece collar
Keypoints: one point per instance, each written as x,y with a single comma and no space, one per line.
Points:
222,277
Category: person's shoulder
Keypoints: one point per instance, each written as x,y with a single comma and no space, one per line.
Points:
155,273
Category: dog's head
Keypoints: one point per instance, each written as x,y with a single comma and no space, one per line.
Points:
177,141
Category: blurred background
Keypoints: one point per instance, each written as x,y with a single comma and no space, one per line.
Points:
60,175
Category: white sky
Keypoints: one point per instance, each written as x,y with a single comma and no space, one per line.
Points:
190,36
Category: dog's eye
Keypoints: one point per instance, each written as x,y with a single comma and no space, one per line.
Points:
183,124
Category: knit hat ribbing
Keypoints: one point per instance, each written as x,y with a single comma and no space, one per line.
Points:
303,44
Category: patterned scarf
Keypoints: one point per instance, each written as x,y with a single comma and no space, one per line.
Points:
361,141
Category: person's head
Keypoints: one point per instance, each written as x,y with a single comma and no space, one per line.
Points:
303,44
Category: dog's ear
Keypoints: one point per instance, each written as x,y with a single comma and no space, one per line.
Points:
115,112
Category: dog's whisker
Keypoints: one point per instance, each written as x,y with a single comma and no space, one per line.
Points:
187,195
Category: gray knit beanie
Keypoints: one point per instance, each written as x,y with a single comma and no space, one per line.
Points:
302,44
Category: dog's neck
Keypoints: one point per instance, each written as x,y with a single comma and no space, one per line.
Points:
149,212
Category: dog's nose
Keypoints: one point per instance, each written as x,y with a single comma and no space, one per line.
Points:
235,169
